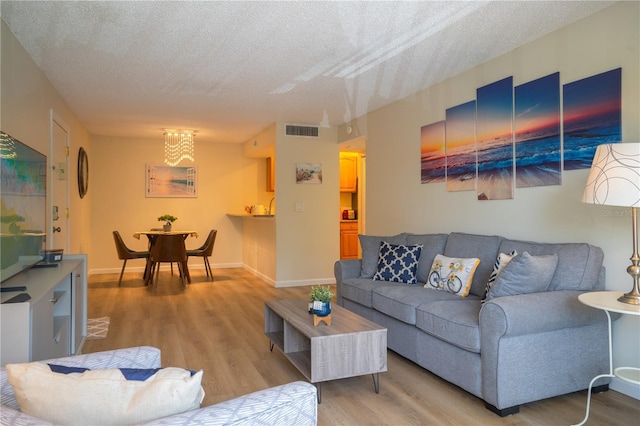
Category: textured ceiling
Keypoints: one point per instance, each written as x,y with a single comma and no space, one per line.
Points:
229,69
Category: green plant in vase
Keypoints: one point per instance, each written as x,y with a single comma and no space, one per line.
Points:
168,219
320,300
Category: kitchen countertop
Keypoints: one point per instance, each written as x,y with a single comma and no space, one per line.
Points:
252,216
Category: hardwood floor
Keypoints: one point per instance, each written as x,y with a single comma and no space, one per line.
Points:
218,327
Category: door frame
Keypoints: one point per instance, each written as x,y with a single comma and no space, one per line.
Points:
55,119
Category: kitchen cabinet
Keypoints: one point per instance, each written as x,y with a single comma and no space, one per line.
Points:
349,240
348,172
53,323
271,174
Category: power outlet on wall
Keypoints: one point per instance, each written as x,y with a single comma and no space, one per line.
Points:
299,206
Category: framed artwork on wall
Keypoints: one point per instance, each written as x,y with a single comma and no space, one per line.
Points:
309,173
169,182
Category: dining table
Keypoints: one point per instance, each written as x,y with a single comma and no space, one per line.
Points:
152,236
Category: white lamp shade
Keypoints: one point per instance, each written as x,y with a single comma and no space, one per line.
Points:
614,179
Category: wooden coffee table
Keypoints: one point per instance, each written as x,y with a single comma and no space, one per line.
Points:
351,346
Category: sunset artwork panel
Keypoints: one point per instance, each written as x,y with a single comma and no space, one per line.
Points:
460,147
592,116
432,153
495,140
537,132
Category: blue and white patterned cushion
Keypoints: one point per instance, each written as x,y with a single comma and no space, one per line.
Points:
398,263
498,266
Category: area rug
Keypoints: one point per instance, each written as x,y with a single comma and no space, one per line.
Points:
97,328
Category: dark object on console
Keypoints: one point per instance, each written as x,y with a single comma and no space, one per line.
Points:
52,255
22,297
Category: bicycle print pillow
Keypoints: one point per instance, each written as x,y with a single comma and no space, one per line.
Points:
453,275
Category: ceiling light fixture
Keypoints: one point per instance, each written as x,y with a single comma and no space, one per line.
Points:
178,145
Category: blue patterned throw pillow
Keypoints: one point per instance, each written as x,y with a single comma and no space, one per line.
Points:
398,263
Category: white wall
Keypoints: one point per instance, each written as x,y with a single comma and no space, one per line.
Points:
397,201
26,99
227,181
307,242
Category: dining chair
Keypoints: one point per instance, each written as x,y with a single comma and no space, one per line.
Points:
168,249
205,252
125,253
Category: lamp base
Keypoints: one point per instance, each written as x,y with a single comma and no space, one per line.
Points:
630,298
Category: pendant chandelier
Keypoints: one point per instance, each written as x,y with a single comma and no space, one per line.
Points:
178,145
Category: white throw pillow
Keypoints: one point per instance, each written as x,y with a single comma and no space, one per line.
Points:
453,275
103,397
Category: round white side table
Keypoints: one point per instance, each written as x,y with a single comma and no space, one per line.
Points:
608,302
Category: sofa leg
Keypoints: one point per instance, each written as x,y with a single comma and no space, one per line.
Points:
503,412
600,389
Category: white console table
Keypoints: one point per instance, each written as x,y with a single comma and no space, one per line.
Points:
608,302
53,323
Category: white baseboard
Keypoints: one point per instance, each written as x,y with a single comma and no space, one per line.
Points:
163,267
626,388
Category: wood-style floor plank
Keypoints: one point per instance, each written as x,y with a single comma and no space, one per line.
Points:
218,327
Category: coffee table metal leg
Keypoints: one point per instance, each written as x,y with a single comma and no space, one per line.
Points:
376,382
271,345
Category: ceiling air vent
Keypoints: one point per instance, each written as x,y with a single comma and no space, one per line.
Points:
308,131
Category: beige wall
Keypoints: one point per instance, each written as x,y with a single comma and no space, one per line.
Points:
397,201
227,181
26,98
307,242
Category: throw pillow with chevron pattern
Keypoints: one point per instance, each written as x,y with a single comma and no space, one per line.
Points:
501,262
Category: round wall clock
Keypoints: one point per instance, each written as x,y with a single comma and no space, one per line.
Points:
83,172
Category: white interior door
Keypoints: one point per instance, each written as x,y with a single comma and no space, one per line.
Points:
58,235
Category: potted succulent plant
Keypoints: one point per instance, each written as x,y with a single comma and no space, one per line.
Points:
320,300
168,219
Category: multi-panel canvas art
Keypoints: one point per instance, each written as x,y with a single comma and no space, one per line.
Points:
495,140
460,146
592,110
432,153
537,132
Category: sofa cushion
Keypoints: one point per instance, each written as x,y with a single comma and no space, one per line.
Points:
502,261
432,245
103,397
524,274
399,301
454,321
359,290
484,247
397,263
370,245
453,275
579,264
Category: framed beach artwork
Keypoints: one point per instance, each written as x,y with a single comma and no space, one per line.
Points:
494,144
460,147
537,132
432,154
166,181
592,116
309,173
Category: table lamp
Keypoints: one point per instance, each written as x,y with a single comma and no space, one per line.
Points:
614,180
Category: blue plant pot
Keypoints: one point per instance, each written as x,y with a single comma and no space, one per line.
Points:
324,310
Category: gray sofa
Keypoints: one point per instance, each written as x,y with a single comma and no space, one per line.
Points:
508,350
293,403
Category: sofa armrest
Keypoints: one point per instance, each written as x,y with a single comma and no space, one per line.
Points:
136,357
344,269
535,313
291,404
